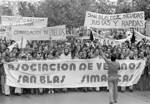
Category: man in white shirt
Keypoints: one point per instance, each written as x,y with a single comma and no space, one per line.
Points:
65,55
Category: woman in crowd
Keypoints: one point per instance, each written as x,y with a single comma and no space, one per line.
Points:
75,49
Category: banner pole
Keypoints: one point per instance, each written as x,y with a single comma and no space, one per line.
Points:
21,42
51,43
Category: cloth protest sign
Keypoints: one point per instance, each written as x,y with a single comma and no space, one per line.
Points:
140,36
12,46
29,21
69,73
82,33
123,20
34,33
108,41
20,43
4,31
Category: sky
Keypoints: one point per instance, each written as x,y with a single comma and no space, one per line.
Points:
19,0
33,0
113,0
36,0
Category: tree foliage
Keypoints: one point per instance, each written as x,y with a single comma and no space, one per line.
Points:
134,6
72,12
5,10
143,5
27,9
69,12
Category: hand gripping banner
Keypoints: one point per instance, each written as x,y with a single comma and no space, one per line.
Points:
69,73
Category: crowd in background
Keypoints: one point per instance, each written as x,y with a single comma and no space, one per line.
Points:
73,48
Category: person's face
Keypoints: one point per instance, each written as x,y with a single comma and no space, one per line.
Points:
34,45
38,55
97,52
115,51
55,46
26,52
62,45
27,46
43,43
131,53
119,50
46,48
80,54
30,56
7,50
132,30
92,50
40,48
147,48
84,54
123,50
57,54
50,56
59,46
135,52
78,47
142,54
0,55
2,46
127,50
3,41
11,55
78,41
88,32
89,53
109,50
15,50
133,44
66,51
3,55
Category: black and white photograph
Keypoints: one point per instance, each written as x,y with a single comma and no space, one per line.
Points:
74,51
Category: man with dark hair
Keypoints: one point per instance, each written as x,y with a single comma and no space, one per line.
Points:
113,68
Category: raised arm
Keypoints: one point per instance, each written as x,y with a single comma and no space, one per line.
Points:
104,57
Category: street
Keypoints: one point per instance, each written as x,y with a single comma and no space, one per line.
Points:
77,98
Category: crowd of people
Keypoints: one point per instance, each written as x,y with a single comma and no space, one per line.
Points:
72,48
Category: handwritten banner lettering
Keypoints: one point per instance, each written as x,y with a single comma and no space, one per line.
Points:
124,20
33,33
27,21
69,73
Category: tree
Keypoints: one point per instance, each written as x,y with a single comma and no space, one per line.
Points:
142,5
69,12
134,6
27,9
124,7
72,12
5,10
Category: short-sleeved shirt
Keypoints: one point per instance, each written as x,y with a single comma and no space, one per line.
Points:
113,70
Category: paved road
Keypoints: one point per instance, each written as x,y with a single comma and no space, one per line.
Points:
77,98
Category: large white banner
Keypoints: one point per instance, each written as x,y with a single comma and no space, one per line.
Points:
109,41
4,31
124,20
27,21
140,36
34,33
69,73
